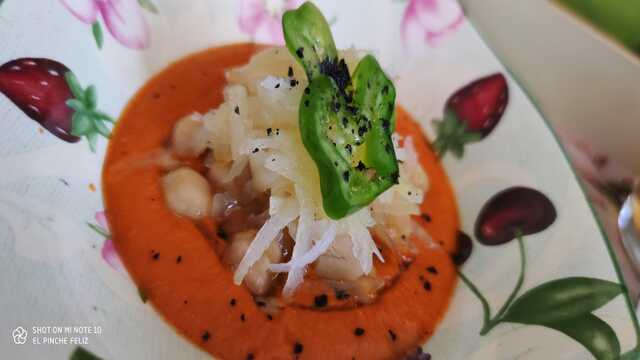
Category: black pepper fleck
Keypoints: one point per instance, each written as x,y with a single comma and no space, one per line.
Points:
306,103
179,259
269,131
243,318
348,148
255,150
427,285
385,90
206,336
222,234
300,53
155,256
261,303
361,166
236,110
269,317
432,269
307,91
358,331
250,356
290,72
232,302
345,176
426,217
392,335
342,295
320,301
297,348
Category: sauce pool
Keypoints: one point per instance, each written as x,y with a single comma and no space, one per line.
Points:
174,264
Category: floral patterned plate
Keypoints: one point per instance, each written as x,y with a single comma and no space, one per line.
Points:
538,277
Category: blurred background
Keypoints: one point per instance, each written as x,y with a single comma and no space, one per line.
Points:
579,61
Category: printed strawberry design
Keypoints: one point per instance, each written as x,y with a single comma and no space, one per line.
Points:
471,113
49,93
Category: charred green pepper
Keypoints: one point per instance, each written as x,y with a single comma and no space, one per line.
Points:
346,121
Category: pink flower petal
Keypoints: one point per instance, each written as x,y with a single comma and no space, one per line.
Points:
125,22
110,255
85,10
101,219
269,32
433,18
263,26
252,14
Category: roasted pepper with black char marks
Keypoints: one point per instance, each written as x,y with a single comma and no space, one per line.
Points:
346,121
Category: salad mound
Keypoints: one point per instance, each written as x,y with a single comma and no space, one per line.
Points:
305,165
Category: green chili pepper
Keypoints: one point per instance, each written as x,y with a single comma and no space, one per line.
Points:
345,122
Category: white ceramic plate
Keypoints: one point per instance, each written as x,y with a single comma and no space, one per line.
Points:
53,269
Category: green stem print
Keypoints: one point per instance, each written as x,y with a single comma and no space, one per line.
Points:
565,305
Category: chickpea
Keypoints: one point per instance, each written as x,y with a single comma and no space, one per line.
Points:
339,263
259,279
187,193
189,136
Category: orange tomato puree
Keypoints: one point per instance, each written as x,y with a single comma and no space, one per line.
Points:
190,287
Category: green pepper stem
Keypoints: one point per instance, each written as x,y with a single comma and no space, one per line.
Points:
486,308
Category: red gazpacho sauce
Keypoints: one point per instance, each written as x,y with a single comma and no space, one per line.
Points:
173,262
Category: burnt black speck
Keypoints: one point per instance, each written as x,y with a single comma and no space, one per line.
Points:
426,217
320,301
392,335
155,256
426,285
432,269
277,86
236,110
342,295
349,148
361,166
297,348
358,331
232,302
269,131
290,72
222,234
179,259
269,317
206,336
255,150
300,53
250,356
243,318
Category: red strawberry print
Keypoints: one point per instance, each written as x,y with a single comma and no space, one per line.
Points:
49,93
471,113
